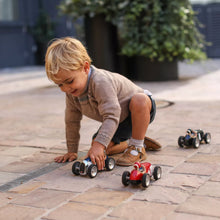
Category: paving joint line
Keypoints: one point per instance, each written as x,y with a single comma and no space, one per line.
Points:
16,182
36,173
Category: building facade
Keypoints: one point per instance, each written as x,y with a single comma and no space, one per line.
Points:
208,13
18,18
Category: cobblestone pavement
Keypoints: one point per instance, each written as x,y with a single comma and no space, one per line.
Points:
32,186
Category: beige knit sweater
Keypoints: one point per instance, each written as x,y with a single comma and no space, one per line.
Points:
106,100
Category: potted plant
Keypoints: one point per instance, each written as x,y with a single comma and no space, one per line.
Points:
100,34
153,34
159,33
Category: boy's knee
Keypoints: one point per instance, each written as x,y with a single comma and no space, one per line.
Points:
140,101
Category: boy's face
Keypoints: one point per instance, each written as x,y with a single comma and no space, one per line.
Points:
73,81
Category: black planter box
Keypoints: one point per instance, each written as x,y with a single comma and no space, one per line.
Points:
102,43
146,70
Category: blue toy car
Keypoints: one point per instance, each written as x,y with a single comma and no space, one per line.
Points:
88,168
194,138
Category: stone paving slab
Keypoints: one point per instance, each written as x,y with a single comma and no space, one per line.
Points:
196,169
27,187
4,160
43,198
21,167
183,216
12,212
210,149
205,158
18,179
166,195
142,209
78,210
6,198
19,151
174,150
201,205
102,197
166,160
6,177
65,180
188,189
184,182
41,157
216,176
211,189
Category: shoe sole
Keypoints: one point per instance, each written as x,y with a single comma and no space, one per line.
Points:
151,144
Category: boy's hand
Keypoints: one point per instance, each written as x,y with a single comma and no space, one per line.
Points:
97,155
66,157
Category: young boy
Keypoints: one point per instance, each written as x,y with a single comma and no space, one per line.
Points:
124,109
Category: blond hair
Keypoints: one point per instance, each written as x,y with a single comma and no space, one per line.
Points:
65,53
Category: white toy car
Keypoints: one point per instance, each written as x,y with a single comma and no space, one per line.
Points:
88,168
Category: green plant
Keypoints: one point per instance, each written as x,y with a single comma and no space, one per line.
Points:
87,9
162,30
156,29
82,8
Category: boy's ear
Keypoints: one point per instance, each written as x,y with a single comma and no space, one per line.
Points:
86,67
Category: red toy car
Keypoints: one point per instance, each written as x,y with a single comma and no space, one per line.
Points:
141,173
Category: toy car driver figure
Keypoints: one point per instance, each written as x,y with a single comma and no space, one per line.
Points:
191,133
138,166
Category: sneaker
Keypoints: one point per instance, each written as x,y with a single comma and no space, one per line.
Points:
131,155
151,144
117,148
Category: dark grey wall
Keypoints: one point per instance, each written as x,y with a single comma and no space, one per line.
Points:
17,46
209,16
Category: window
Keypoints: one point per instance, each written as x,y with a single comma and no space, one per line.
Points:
8,10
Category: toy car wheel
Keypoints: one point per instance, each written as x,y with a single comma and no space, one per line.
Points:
92,171
200,134
126,178
145,180
110,163
181,141
196,142
75,168
207,138
157,172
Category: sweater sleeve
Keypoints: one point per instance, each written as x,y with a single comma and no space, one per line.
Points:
73,117
109,108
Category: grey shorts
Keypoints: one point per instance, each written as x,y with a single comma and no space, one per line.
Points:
124,129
